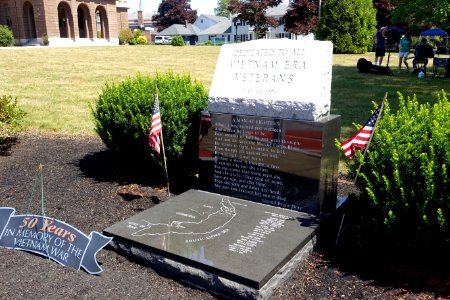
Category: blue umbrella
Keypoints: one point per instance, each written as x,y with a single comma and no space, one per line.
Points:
434,32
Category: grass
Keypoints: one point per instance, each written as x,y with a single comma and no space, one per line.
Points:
56,85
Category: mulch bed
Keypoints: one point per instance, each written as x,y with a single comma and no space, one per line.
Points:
87,188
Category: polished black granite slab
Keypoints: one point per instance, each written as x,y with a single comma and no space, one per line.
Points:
242,241
281,162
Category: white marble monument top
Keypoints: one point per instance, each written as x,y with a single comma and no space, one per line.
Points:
278,78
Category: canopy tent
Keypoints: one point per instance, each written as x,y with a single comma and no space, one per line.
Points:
437,32
397,30
434,32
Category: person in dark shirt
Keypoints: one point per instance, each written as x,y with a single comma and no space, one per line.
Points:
422,52
380,47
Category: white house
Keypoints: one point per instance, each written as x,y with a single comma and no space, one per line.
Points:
220,30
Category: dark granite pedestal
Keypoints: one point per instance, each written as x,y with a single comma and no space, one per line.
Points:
229,246
280,162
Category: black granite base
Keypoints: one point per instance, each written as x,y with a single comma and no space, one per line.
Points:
286,163
218,240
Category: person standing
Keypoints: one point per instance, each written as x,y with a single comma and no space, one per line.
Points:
380,46
403,52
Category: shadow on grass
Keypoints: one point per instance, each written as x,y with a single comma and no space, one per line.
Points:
352,92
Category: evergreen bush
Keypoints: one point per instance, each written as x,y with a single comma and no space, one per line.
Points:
10,117
178,41
124,110
405,175
349,24
6,36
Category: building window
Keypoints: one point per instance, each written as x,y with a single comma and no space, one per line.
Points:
8,15
98,23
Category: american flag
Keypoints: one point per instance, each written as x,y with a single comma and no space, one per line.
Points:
361,138
205,123
156,127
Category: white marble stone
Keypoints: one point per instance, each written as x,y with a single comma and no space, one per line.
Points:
277,78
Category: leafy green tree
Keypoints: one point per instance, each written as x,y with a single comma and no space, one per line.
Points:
174,12
302,17
254,13
349,24
422,12
222,8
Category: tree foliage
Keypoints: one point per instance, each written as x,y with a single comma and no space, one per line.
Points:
349,24
384,9
302,17
174,12
222,8
422,12
254,13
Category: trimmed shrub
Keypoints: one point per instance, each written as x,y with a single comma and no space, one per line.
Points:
405,176
141,40
6,36
10,117
125,36
124,110
178,41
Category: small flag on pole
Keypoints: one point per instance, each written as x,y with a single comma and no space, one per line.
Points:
156,126
361,138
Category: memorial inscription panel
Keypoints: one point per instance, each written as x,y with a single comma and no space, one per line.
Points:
283,79
279,162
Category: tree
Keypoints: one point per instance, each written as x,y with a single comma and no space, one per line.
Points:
222,8
349,24
302,17
174,12
422,12
384,9
254,13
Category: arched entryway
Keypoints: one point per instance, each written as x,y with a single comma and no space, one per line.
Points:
101,21
84,22
29,25
65,21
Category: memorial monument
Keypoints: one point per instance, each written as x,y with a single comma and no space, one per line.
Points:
272,138
268,172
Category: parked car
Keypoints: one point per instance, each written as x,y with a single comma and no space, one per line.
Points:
163,40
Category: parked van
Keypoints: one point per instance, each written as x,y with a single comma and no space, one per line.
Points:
163,40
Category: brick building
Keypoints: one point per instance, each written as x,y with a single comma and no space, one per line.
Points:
65,22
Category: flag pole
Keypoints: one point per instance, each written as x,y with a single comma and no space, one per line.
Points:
370,139
166,173
165,164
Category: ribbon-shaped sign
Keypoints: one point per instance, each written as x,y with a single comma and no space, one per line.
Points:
51,238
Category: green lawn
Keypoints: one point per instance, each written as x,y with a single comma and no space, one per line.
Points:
55,85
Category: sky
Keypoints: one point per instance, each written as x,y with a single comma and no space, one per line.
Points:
202,6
